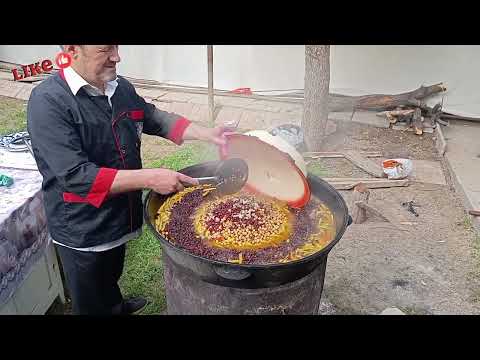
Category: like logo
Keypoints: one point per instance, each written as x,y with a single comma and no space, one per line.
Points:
63,60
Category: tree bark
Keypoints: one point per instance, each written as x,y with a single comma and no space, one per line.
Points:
317,81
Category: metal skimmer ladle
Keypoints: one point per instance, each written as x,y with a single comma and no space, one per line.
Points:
230,176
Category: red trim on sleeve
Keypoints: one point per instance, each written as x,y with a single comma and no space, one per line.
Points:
73,198
176,133
136,114
99,190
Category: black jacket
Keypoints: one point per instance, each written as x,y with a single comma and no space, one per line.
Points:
79,144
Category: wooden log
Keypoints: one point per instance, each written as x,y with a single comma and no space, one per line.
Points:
331,179
348,185
417,121
380,102
360,194
474,212
319,154
387,211
365,164
445,115
371,208
395,113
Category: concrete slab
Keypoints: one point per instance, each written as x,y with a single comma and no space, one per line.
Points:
201,99
24,92
177,97
255,120
230,101
270,106
150,93
370,118
10,88
429,172
194,112
162,105
440,142
6,75
228,116
463,159
363,117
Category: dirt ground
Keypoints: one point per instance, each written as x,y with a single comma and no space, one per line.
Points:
429,269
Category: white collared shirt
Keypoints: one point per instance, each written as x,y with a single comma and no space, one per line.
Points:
76,82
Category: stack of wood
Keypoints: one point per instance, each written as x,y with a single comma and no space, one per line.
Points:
410,109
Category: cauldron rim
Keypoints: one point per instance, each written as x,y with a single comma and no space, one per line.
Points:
307,259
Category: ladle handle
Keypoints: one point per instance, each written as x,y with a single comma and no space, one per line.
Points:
204,180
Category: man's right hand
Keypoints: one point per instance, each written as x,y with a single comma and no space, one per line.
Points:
164,181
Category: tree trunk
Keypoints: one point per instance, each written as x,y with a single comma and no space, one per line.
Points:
317,81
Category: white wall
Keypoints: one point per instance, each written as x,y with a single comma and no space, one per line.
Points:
28,54
258,67
186,65
393,69
142,62
354,69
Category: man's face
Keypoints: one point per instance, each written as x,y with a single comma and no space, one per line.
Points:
96,63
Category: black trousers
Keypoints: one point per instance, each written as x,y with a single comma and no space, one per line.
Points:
92,279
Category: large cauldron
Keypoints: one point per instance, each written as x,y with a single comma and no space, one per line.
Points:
199,285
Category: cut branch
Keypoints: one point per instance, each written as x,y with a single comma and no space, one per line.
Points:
382,102
360,193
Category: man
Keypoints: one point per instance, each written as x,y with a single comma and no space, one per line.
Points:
85,125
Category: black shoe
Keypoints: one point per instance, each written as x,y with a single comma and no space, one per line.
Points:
133,305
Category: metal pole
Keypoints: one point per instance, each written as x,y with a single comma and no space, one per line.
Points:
211,105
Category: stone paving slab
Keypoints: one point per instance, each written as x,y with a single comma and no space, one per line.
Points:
429,172
10,88
463,159
370,118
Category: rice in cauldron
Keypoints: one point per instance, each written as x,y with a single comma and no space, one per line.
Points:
243,228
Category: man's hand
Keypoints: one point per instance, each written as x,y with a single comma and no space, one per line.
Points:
164,181
214,135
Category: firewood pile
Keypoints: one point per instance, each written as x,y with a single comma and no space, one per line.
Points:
410,109
417,118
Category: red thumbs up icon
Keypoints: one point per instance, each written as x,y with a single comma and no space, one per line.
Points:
63,60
